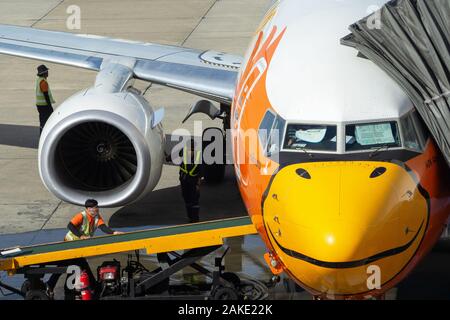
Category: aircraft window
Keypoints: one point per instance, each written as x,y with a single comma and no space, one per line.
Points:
421,129
410,138
265,128
366,136
275,137
310,137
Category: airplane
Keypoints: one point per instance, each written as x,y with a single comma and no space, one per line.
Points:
352,182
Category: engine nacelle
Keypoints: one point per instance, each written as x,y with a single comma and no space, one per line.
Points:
102,145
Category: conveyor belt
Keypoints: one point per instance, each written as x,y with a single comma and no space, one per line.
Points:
154,241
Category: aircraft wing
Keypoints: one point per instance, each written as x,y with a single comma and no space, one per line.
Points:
209,74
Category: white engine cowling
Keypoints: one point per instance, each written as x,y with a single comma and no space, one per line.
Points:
101,145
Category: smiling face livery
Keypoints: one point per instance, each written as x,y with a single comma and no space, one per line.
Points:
344,217
353,188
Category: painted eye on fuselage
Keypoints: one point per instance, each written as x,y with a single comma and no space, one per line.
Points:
303,173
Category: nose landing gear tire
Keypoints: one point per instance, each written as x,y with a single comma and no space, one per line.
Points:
26,286
36,295
224,293
232,277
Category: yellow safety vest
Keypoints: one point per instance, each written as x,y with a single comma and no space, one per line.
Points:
184,167
85,229
40,98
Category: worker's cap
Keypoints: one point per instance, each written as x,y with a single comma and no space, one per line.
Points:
91,203
41,70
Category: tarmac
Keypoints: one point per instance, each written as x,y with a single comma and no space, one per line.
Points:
225,25
28,209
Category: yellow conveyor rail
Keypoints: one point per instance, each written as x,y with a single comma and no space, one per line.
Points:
157,240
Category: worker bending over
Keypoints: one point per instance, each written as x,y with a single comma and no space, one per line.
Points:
82,226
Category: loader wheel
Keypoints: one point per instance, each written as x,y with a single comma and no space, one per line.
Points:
224,293
36,295
26,286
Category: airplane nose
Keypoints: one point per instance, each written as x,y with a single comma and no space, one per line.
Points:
332,224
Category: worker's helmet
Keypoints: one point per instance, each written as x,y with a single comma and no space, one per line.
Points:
42,69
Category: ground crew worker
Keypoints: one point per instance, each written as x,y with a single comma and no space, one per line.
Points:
82,226
190,175
44,98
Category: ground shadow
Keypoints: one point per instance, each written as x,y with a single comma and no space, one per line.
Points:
431,278
28,137
166,206
19,136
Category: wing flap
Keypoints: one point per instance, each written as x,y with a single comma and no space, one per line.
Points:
214,84
209,74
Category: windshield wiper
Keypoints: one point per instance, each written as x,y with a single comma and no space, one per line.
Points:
378,150
305,151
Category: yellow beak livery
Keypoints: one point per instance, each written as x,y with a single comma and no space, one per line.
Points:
333,223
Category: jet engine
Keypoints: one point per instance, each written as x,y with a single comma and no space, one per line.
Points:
105,142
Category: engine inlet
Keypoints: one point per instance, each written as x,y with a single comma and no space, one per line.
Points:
95,156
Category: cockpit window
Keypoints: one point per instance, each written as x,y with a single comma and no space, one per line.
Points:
275,137
265,127
310,137
366,136
270,133
421,130
410,138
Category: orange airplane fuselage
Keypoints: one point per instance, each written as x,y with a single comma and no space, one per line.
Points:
332,222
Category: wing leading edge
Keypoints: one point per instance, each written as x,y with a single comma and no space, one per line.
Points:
208,74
